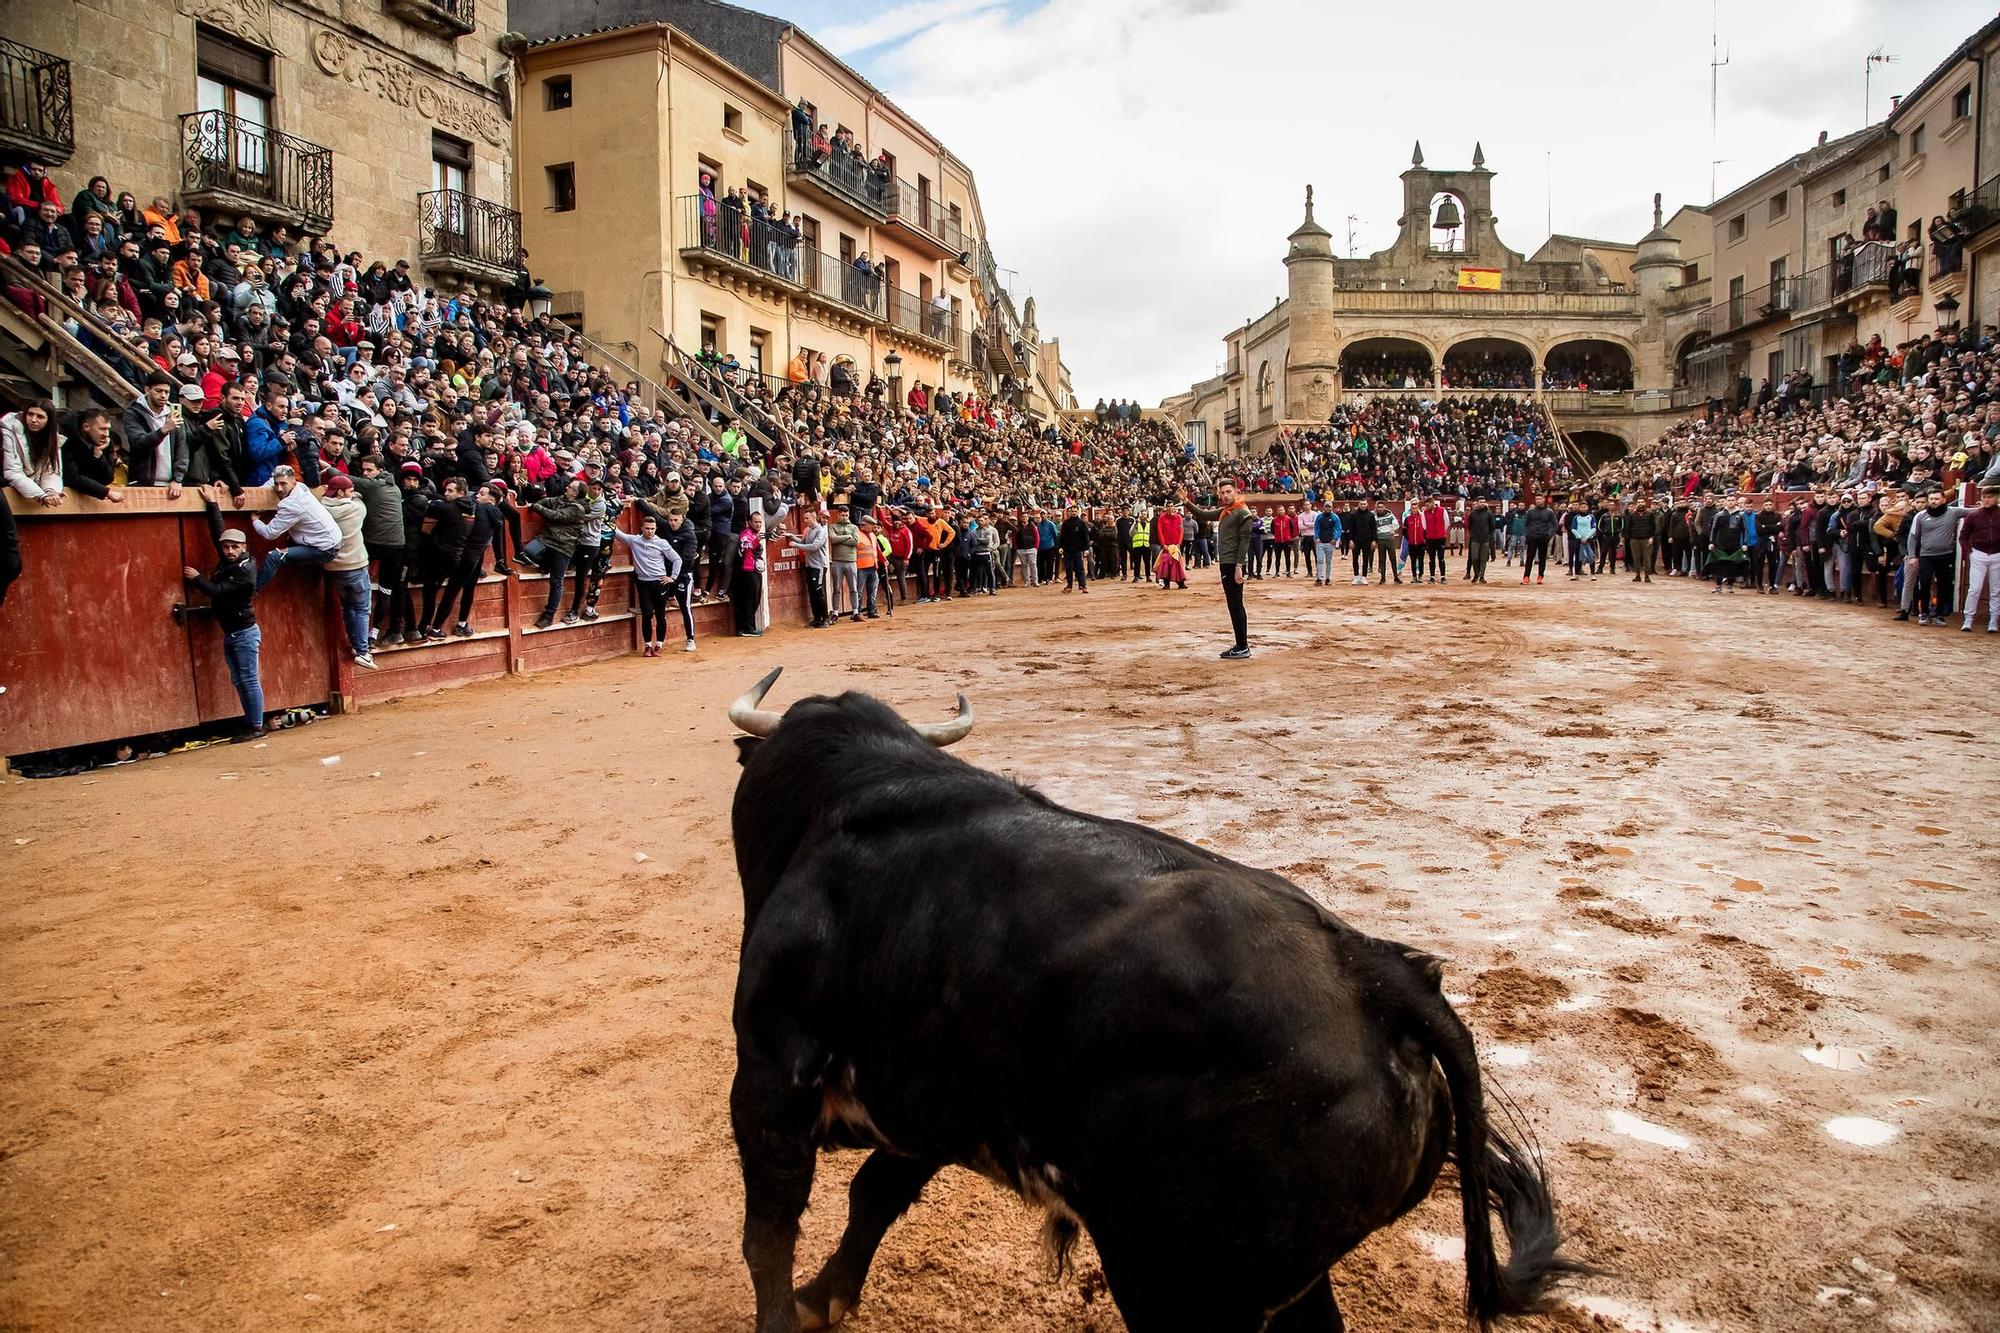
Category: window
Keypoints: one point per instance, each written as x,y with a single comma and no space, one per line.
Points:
562,188
711,333
1839,198
1736,228
732,119
809,232
451,162
1916,141
1778,270
1781,204
234,79
1774,366
1735,300
846,248
1690,274
924,289
556,94
758,339
1961,103
1882,173
924,202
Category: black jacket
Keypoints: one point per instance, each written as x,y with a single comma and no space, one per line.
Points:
230,588
215,449
87,472
1074,535
1641,525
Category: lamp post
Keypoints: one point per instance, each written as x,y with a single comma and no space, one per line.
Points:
894,365
1947,312
540,299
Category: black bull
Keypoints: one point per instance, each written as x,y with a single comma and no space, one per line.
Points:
1227,1085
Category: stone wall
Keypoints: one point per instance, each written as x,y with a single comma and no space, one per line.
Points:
350,76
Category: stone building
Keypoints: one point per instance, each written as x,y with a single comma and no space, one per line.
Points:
1587,326
1888,232
381,123
630,101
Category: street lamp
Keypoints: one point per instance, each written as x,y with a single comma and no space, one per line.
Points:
1947,311
894,365
540,299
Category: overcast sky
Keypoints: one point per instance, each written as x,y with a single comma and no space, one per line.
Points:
1141,161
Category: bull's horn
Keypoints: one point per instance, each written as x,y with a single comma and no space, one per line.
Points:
942,734
747,715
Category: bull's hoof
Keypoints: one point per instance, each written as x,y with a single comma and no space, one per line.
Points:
818,1306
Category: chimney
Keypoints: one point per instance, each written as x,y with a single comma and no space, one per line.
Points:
1822,138
1895,100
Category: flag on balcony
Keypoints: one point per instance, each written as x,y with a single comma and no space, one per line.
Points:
1479,279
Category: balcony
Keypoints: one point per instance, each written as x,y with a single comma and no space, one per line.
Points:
1008,355
1232,420
924,325
468,237
917,218
234,165
1978,213
448,18
1746,310
843,181
744,254
853,297
34,105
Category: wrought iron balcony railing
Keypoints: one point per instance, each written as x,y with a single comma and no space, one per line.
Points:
258,167
455,227
35,114
847,177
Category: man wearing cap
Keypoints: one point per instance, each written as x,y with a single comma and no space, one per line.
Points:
229,590
314,538
348,569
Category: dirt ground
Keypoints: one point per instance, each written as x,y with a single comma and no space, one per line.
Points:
422,1040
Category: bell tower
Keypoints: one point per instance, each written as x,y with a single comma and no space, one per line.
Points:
1468,195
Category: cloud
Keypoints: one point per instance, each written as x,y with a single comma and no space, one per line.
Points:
894,25
1140,162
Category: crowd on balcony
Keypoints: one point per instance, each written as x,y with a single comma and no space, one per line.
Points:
1488,368
1409,369
821,150
1587,369
1496,448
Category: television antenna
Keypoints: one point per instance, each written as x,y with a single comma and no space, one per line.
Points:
1875,57
1351,220
1717,58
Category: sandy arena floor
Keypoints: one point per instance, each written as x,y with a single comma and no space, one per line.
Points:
419,1040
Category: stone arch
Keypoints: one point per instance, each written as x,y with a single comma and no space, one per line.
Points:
1684,349
1367,358
1588,360
1264,390
1529,367
1600,447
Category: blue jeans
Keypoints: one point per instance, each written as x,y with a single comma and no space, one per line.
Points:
1323,561
239,650
355,595
267,569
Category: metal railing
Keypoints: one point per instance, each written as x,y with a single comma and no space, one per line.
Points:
919,208
848,176
452,224
35,99
1947,259
221,152
911,314
707,225
1743,310
1981,208
826,276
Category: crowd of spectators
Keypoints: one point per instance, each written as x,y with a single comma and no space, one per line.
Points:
1487,368
1583,368
1494,446
1385,370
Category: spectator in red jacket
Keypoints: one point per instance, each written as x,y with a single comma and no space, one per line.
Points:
1284,541
1437,525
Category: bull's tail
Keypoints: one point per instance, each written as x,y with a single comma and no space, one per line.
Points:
1494,1173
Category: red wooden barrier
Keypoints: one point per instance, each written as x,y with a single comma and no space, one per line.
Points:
90,648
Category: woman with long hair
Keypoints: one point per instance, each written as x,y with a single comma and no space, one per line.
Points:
31,455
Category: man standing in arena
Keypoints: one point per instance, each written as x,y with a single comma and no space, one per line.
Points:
1642,525
1234,523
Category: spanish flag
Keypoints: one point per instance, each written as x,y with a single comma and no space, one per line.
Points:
1479,279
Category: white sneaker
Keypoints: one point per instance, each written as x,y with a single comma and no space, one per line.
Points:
364,660
690,646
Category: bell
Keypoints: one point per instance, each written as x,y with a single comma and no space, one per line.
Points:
1447,217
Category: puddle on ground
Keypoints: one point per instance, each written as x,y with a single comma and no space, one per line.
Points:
1860,1131
1570,1004
1842,1058
1631,1126
1508,1057
1444,1249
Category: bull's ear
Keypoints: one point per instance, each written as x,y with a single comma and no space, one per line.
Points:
1429,966
744,745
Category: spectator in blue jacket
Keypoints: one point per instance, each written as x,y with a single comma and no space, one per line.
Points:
267,435
1326,540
